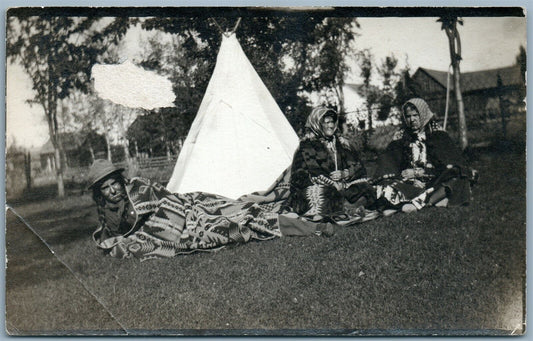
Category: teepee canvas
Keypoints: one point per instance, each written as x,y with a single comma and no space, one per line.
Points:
240,141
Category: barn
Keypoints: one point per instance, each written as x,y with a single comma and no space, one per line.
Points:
486,94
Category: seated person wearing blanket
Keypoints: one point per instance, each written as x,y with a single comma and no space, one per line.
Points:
139,218
422,165
327,172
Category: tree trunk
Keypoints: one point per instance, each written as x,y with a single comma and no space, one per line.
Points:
455,57
54,131
121,114
504,123
51,112
58,146
370,123
27,169
368,131
126,152
108,145
59,173
370,120
167,145
340,96
136,149
463,138
502,106
91,150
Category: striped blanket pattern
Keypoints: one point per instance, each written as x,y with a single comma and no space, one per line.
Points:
176,224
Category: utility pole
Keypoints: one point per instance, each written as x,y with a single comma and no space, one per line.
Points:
449,25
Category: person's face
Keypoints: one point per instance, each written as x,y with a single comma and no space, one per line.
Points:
329,126
412,117
112,190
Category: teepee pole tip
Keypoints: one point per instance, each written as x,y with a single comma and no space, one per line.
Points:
217,25
236,25
226,33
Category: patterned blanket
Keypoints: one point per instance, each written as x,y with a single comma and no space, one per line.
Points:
169,224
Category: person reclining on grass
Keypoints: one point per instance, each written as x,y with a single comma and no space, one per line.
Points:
422,165
327,172
140,218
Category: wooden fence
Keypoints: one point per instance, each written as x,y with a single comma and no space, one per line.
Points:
482,130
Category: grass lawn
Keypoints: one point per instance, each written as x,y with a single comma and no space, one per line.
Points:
438,271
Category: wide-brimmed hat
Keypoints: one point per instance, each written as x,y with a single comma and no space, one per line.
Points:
99,170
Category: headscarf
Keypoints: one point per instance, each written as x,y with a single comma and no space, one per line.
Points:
314,121
417,147
426,115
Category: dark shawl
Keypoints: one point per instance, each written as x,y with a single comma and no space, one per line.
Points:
311,160
446,164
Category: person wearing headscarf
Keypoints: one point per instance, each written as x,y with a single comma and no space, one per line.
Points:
422,165
327,172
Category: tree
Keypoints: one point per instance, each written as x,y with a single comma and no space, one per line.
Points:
58,53
334,41
147,133
390,77
291,54
79,117
370,92
449,25
521,60
404,88
187,74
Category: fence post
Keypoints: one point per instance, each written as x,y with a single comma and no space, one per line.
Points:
27,169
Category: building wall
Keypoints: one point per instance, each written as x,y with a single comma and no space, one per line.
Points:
428,84
433,93
477,103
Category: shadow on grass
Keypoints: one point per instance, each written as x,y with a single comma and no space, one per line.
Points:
439,269
42,295
59,222
28,256
46,192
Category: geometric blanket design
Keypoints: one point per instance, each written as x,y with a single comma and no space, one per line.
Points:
171,224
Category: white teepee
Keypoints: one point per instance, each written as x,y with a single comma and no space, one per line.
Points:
240,141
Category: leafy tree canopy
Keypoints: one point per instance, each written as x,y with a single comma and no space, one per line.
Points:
57,52
292,55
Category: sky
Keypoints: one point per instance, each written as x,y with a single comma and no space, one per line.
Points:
489,42
486,42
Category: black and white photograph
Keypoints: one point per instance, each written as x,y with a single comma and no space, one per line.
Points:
270,171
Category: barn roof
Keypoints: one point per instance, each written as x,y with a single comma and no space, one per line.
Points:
479,80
